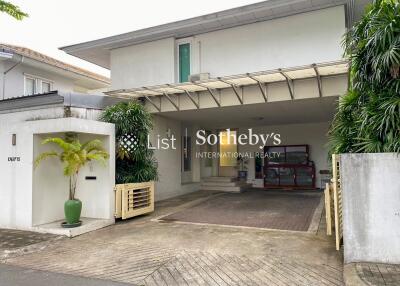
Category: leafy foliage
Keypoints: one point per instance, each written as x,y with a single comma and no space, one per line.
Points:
74,156
134,162
368,117
12,10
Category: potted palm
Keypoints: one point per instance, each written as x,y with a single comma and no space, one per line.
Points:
73,156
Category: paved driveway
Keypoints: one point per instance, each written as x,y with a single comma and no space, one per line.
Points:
144,251
255,208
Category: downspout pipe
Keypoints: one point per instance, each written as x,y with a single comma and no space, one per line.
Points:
7,71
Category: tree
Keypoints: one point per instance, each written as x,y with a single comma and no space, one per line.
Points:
12,10
74,156
368,116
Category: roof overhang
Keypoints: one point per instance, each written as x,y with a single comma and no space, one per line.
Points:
56,98
98,51
261,78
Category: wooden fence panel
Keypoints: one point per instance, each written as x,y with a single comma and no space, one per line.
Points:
337,198
134,199
333,203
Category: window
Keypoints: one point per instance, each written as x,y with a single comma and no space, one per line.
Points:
34,85
184,62
30,86
187,153
46,86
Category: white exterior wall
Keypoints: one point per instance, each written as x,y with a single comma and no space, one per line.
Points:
33,197
146,64
14,80
301,39
297,40
170,183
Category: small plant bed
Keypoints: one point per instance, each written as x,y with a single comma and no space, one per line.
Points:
136,168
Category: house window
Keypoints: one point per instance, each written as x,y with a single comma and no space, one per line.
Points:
187,153
184,62
46,86
30,86
35,85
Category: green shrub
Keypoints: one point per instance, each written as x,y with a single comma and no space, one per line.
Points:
368,116
134,161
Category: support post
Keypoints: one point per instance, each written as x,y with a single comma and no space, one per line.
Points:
152,103
289,83
170,100
319,82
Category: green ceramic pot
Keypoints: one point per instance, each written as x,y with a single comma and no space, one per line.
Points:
72,211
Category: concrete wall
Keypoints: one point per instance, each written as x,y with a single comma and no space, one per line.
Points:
32,197
296,40
170,183
146,64
371,207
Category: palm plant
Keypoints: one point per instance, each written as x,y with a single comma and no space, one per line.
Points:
134,160
74,156
12,10
368,116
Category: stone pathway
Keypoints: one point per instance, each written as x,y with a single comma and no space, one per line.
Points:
14,242
12,239
139,264
379,274
143,251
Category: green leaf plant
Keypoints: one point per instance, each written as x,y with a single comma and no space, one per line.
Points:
134,160
368,116
74,155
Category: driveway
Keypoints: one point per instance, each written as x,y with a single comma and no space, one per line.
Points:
148,251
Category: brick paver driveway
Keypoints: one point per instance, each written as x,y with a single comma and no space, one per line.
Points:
143,251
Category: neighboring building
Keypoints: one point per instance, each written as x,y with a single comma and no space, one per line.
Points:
26,72
274,66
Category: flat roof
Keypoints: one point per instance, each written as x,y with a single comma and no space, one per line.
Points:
98,51
56,98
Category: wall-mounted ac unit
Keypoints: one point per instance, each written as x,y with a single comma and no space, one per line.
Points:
199,76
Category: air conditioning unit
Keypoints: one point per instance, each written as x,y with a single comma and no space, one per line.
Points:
199,76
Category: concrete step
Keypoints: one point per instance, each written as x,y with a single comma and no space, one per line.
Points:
233,186
235,189
225,184
221,184
219,179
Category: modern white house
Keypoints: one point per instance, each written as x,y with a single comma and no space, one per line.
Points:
275,67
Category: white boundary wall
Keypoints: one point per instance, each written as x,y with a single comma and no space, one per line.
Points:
371,207
36,196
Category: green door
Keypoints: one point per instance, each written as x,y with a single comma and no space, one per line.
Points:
184,62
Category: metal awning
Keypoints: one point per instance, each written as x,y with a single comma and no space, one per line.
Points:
262,78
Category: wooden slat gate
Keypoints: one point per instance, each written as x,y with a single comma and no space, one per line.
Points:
134,199
333,203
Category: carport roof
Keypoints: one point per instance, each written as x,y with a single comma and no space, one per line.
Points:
260,78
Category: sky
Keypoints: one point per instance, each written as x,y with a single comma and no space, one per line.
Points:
55,23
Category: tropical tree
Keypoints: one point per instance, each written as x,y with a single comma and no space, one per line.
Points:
368,116
134,160
74,156
12,10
